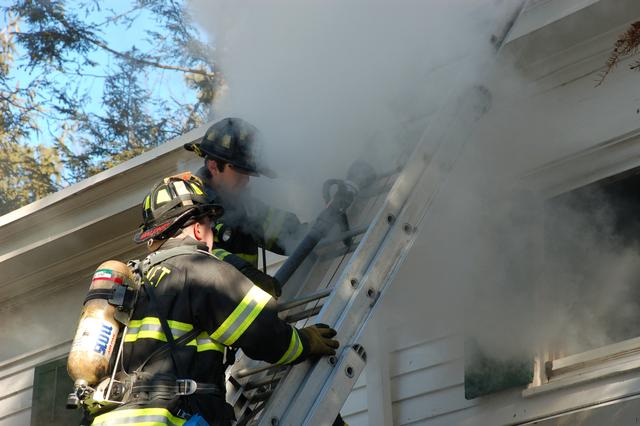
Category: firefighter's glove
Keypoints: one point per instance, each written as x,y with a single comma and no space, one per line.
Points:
319,339
262,280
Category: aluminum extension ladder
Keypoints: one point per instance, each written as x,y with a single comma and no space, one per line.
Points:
340,284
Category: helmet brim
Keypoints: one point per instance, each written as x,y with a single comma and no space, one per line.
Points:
257,171
169,227
194,147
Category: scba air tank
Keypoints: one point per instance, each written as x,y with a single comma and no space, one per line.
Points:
98,329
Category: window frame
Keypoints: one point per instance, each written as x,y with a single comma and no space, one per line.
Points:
610,158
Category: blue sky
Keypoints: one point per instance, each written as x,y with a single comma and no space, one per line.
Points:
163,83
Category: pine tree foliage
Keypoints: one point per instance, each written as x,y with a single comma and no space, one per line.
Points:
53,130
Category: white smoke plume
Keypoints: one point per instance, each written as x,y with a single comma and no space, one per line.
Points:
328,82
331,81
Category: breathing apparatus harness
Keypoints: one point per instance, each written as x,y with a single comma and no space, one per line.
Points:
120,387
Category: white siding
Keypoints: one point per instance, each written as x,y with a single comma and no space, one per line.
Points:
16,384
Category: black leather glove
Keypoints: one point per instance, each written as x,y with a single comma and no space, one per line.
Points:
262,280
319,339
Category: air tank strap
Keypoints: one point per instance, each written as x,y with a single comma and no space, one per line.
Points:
179,387
120,296
162,255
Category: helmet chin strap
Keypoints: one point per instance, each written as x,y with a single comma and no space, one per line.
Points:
155,245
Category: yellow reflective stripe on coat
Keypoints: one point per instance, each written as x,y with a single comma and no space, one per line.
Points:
242,316
216,232
220,254
150,328
294,350
251,258
139,417
273,226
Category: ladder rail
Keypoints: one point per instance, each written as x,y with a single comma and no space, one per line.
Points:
316,285
348,284
374,263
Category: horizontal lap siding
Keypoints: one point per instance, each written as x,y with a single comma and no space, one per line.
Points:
16,384
354,411
22,418
427,380
15,399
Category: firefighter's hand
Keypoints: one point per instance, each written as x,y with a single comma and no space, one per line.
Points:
319,339
262,280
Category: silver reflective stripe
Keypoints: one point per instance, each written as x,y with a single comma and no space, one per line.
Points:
139,416
137,419
147,420
175,332
242,316
294,350
140,329
238,321
150,328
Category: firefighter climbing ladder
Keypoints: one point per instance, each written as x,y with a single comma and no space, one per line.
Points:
312,393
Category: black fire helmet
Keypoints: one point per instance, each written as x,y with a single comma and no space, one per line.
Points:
173,204
233,141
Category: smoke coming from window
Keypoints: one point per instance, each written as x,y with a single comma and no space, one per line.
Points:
328,82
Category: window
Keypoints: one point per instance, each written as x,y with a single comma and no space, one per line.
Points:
588,297
592,264
51,387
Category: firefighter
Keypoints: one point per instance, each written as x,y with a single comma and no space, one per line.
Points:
229,148
193,306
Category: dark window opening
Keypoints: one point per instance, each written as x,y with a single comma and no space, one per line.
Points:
592,263
51,386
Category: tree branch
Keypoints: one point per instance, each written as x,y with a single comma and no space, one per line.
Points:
127,56
155,64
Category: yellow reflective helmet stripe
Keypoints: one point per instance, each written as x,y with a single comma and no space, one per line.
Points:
242,316
150,328
294,350
140,417
196,188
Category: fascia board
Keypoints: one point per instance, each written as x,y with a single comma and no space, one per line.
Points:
108,192
57,241
94,182
557,34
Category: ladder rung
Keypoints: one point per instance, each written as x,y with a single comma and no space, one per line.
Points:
263,382
262,396
375,190
307,313
246,372
301,301
343,236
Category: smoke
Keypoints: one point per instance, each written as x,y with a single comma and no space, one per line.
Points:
501,262
329,82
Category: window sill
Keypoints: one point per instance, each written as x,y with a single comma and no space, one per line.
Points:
589,366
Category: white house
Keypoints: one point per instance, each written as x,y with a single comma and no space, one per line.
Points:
559,133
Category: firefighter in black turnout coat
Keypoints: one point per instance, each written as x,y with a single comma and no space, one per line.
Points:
231,152
196,306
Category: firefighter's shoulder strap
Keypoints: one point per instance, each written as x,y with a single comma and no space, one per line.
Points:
144,266
162,255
